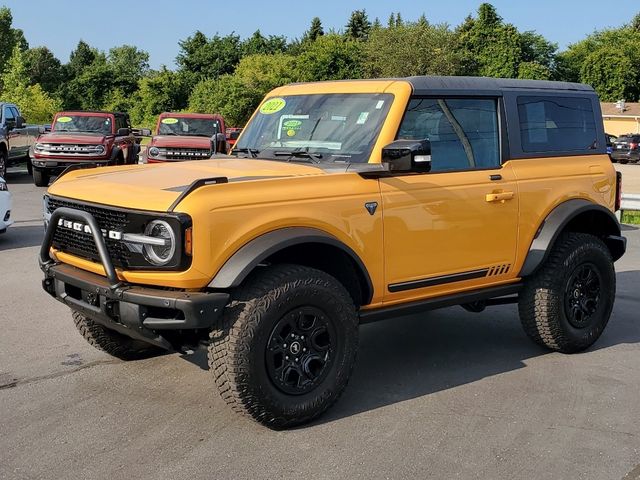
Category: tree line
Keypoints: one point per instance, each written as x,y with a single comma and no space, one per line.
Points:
230,75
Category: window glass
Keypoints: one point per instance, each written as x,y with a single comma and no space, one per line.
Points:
8,114
331,128
14,111
463,132
556,124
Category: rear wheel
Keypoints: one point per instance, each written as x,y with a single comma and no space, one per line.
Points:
40,178
286,345
112,342
567,303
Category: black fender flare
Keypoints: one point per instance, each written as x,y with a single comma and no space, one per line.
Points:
558,219
242,262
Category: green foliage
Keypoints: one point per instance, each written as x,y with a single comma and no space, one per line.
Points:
412,49
315,30
610,73
331,57
43,68
359,25
34,103
209,58
613,81
160,91
494,46
128,65
9,37
237,96
259,44
533,71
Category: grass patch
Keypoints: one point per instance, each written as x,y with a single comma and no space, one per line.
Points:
631,216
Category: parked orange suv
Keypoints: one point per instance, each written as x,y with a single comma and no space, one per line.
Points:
343,203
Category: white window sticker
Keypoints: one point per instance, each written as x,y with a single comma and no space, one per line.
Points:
380,104
362,118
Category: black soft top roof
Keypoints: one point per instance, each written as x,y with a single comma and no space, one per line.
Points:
471,85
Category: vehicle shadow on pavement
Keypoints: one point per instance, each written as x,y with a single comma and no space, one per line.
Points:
21,236
409,357
21,177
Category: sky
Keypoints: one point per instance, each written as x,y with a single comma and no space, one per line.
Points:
157,26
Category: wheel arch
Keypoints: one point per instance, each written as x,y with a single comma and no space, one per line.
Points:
575,215
303,246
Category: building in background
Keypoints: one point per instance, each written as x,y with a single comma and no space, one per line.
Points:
621,117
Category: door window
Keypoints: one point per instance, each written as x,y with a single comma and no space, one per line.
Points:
464,133
8,114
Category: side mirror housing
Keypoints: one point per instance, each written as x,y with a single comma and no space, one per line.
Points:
123,132
217,142
20,122
408,156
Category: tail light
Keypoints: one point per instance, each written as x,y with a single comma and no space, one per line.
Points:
633,146
618,190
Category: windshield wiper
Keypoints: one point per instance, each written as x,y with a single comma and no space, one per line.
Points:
299,154
251,151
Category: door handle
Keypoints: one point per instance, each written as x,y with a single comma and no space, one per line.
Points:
498,197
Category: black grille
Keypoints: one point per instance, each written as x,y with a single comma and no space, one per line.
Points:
187,153
82,244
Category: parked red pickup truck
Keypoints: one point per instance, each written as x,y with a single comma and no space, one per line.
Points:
83,137
186,136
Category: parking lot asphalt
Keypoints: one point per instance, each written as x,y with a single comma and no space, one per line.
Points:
448,394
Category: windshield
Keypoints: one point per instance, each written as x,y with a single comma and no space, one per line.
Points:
78,123
326,127
199,127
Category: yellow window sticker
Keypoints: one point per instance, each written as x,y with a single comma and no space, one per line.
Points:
292,123
64,119
272,105
291,133
169,121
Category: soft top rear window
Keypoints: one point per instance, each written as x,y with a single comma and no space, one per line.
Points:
556,124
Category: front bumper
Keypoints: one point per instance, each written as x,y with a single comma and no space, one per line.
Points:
139,312
57,166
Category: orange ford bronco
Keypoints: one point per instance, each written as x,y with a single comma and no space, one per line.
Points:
342,203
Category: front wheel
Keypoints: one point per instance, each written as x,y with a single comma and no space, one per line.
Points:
285,348
3,163
567,303
40,178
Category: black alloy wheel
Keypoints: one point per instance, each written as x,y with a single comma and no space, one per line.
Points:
300,350
582,295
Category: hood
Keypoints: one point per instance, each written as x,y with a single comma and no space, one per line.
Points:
181,141
156,186
75,137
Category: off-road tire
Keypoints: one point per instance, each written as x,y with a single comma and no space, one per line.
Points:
542,302
40,178
112,342
239,344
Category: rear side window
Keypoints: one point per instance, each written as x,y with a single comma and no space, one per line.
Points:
556,124
463,131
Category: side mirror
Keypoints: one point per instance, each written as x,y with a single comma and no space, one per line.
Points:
123,132
408,156
217,142
20,122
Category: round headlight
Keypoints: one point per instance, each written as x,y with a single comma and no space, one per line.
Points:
163,253
154,152
100,149
39,146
